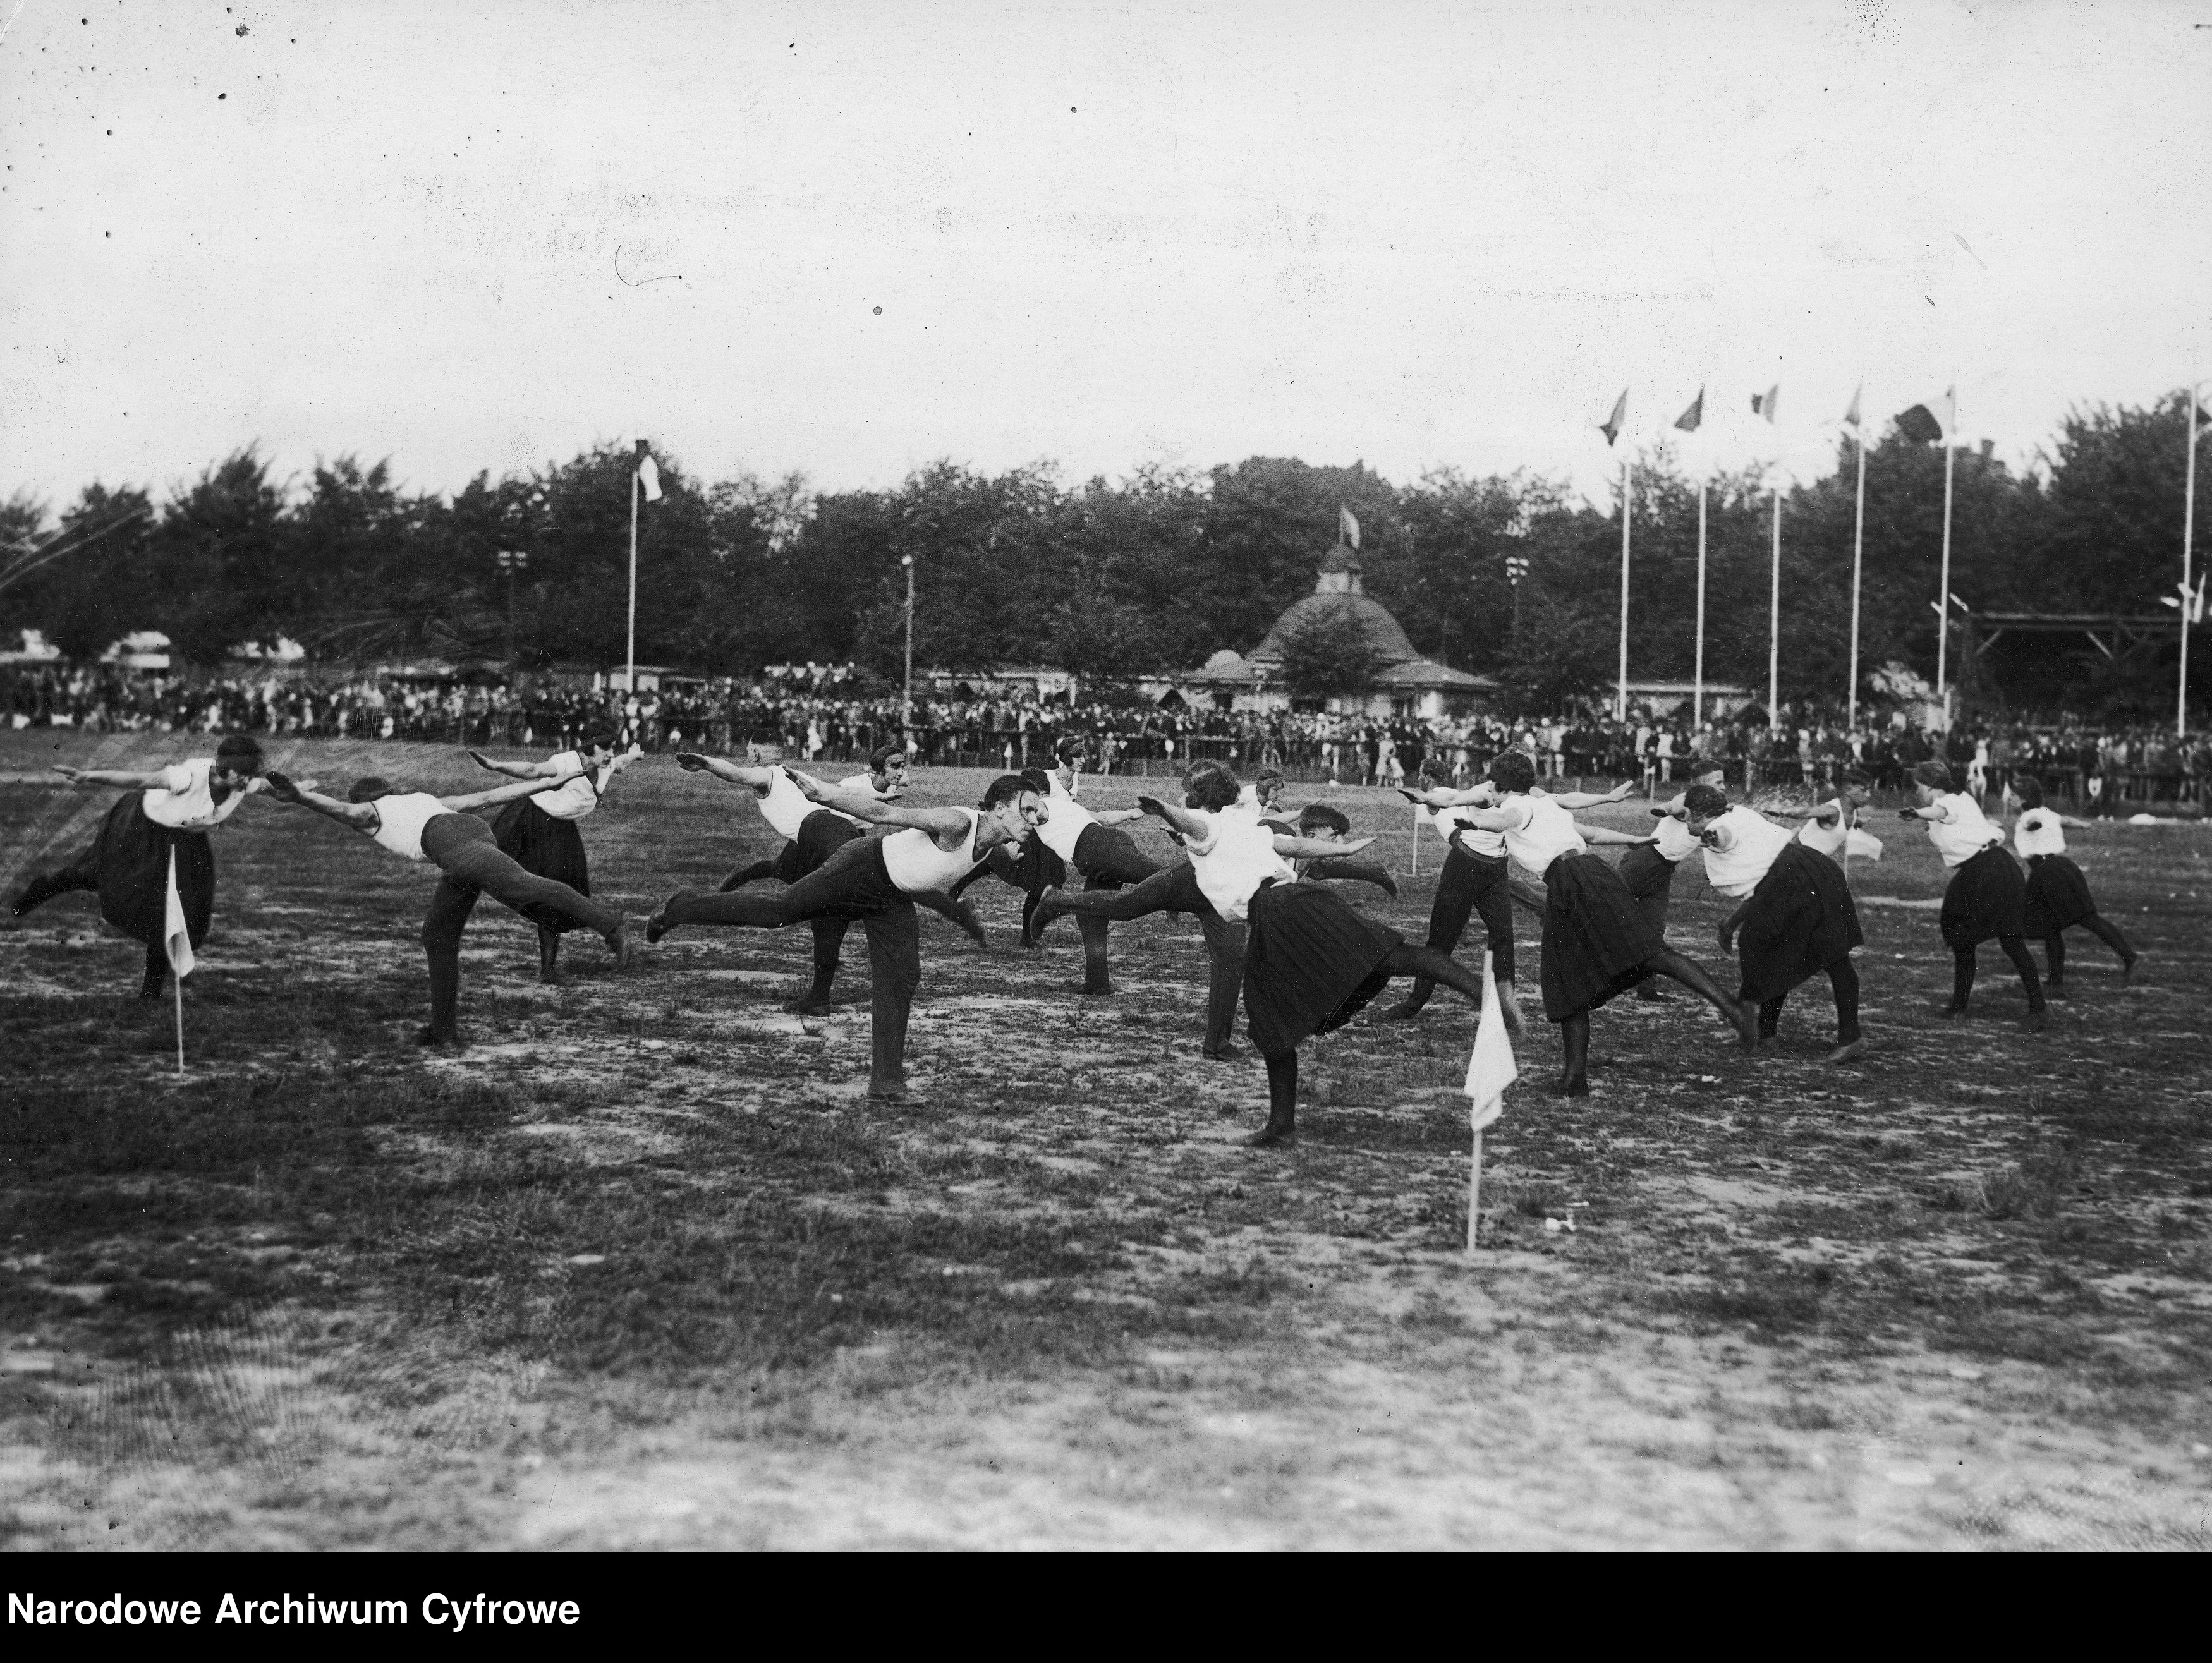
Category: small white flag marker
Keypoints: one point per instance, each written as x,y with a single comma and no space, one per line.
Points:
1490,1070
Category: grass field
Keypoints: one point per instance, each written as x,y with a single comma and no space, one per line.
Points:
640,1267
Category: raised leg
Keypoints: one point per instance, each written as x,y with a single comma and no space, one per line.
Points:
744,875
2098,926
79,874
1743,1018
1456,898
1353,871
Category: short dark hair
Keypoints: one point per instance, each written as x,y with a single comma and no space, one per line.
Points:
1211,785
240,753
1067,747
1859,778
1511,770
1040,782
1323,814
880,758
1705,802
1006,788
597,738
2029,790
1936,775
368,788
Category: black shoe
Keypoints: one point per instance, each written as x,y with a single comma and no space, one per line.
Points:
1227,1052
657,924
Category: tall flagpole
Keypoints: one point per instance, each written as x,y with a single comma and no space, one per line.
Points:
1858,547
1698,697
1620,697
1774,626
1943,589
635,486
2188,548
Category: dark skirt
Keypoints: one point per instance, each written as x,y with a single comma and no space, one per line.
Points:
132,857
1310,964
132,863
545,847
1801,920
1647,873
2058,895
1109,858
821,835
1987,897
1597,937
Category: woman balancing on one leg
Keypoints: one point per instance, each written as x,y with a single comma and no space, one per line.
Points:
1094,845
1266,791
2058,895
876,880
441,830
1648,868
814,834
1985,897
1476,879
1310,962
1597,941
539,833
127,863
1797,917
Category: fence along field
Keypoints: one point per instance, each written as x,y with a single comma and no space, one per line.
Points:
640,1268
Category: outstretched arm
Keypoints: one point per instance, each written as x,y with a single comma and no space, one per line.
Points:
938,822
1595,835
1179,819
1572,800
1318,848
361,817
498,794
512,770
119,778
1481,795
735,772
1116,816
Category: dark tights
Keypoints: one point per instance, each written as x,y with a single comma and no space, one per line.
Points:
1844,982
1962,973
2054,945
1574,1031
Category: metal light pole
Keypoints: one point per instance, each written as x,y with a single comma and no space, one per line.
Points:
907,561
1517,567
512,562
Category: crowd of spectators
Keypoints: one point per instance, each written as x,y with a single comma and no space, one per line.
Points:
2096,768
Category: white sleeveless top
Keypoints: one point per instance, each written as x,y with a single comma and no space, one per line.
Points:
1963,833
1749,842
916,865
400,820
2039,832
1237,856
1474,838
785,807
1065,819
1673,827
1828,839
579,795
1548,833
185,801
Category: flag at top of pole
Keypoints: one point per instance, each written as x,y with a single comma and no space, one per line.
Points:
1929,422
1690,419
1613,424
648,472
1851,415
1347,526
1766,404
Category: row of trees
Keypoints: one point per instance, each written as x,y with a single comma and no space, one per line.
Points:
1111,579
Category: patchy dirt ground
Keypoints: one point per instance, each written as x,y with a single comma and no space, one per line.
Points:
640,1267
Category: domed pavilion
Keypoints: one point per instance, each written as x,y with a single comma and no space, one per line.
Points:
1406,685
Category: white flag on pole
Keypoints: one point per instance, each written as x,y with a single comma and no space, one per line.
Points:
1492,1068
648,472
176,936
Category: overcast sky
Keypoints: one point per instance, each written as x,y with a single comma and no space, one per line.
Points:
851,239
